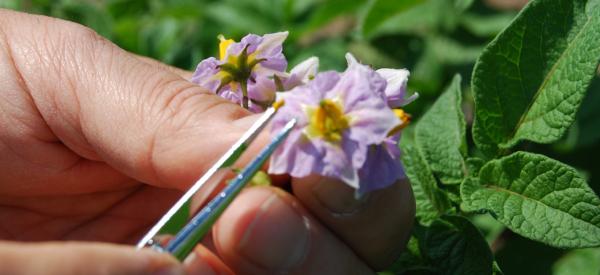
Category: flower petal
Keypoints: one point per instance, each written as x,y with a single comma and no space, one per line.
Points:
250,42
295,157
233,96
395,92
371,119
377,84
351,60
263,89
303,72
325,81
271,44
382,167
205,74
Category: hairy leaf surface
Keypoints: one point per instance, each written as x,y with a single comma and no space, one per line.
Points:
537,197
431,201
440,135
455,246
529,81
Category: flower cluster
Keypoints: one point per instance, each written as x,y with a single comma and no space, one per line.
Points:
348,124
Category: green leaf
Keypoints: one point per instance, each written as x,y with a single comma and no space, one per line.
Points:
463,5
486,25
588,124
409,260
450,51
241,19
496,269
10,4
455,246
330,10
440,135
431,201
529,81
382,10
489,227
474,166
537,197
580,262
441,15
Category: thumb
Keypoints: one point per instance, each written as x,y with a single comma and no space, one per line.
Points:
82,258
108,105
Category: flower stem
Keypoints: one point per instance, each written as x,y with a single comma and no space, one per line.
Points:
244,86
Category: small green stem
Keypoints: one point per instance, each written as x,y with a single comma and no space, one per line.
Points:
244,86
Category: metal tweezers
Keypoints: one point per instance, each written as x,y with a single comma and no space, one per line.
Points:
186,239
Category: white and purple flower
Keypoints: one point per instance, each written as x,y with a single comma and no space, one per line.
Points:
251,71
346,127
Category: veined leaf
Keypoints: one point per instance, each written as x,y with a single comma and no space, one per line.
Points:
529,81
440,135
537,197
474,165
455,246
431,201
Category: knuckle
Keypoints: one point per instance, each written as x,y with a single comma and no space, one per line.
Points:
169,95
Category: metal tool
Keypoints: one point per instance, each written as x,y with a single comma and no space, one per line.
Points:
187,238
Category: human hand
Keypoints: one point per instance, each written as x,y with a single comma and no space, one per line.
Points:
97,143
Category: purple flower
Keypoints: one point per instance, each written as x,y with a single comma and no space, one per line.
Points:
346,127
339,117
244,69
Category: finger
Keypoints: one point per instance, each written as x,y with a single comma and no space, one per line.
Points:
83,258
376,227
203,262
200,260
267,231
106,104
162,66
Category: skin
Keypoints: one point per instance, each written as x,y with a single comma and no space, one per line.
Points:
96,143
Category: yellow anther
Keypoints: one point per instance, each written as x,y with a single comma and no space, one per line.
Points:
327,121
404,121
223,45
402,115
278,104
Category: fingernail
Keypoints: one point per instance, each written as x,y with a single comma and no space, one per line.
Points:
338,197
195,265
278,236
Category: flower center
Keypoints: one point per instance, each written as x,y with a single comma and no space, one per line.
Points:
327,121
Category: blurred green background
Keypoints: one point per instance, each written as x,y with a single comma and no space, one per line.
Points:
434,39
